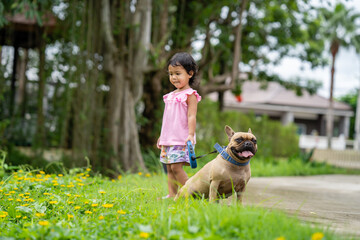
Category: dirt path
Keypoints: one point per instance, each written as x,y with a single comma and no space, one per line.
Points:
333,200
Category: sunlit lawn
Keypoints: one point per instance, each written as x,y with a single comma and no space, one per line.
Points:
35,205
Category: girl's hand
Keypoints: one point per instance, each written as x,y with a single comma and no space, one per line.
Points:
157,144
191,139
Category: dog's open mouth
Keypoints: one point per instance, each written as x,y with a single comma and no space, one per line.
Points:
243,153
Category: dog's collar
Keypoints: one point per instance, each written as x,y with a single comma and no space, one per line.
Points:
227,157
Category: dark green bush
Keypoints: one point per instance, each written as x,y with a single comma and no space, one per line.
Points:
274,139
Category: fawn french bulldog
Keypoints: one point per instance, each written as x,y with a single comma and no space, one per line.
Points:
229,172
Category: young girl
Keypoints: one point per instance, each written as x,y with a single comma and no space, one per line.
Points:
179,120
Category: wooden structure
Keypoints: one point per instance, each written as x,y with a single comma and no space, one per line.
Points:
22,32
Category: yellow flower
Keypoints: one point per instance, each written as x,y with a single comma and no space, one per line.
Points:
317,236
101,217
88,169
121,212
140,173
60,175
3,215
119,177
43,223
18,216
108,205
88,212
102,192
70,202
144,235
42,172
40,214
280,238
77,195
80,184
53,202
25,217
77,207
18,200
70,216
94,205
27,193
47,194
148,175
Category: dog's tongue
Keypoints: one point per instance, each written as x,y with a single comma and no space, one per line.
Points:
246,154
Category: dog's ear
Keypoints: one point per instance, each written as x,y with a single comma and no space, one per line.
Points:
249,131
229,132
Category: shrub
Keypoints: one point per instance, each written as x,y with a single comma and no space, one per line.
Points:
273,138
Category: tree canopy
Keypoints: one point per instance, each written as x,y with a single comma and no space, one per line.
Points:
102,73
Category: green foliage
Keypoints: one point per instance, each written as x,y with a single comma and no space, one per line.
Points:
351,99
294,166
34,9
37,205
2,163
274,140
16,159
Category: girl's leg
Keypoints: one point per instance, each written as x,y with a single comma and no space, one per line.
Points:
172,186
179,173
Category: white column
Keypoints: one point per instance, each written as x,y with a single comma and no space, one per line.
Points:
287,118
346,127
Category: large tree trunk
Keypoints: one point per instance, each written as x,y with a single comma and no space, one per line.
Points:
21,92
13,81
40,129
124,91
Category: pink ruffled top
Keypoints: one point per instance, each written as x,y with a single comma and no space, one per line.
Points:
175,130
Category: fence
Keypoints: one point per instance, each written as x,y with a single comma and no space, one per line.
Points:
341,158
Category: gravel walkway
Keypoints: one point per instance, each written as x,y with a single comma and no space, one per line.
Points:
333,200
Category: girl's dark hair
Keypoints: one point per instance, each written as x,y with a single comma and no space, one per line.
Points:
185,60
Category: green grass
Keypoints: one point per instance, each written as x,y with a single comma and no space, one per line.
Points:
34,205
269,167
261,167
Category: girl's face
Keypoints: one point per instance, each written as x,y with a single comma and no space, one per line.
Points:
179,77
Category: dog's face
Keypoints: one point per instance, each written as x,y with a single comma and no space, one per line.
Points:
242,145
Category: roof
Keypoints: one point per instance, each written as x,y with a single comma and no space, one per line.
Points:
278,95
25,32
278,98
